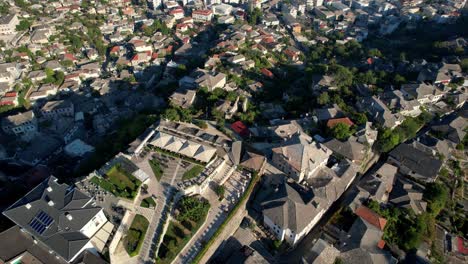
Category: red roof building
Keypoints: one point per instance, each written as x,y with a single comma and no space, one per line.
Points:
240,128
267,73
461,246
345,120
371,217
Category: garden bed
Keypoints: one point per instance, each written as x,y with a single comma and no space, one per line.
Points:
148,202
119,182
192,173
135,235
191,216
156,167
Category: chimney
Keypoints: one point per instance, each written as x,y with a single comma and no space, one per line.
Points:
69,216
28,206
51,203
49,189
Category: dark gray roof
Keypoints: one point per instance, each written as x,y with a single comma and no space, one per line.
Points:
287,208
19,243
350,149
416,160
408,195
57,201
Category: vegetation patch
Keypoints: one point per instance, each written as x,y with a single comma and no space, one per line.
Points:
193,172
191,213
119,182
148,202
156,167
135,235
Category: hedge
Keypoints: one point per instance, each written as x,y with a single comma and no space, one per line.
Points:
208,244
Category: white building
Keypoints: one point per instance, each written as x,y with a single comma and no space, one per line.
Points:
202,15
8,24
56,109
22,124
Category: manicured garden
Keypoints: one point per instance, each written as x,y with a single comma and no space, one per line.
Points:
135,235
148,202
193,172
192,213
156,167
119,182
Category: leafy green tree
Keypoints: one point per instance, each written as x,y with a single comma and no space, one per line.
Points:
374,53
23,25
4,8
464,65
255,16
341,131
323,98
437,195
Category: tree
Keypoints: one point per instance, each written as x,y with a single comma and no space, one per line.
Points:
464,65
254,16
341,131
323,98
375,53
437,195
4,8
171,114
23,25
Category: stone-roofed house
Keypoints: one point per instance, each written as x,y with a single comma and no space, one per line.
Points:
183,97
56,109
22,124
60,217
442,74
323,253
299,157
380,112
291,210
210,80
366,134
415,163
350,149
377,186
453,127
364,243
408,195
288,213
424,93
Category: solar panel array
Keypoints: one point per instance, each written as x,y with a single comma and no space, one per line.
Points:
41,222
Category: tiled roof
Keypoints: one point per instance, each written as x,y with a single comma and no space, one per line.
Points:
371,217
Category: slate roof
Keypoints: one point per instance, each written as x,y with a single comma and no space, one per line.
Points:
302,153
288,209
417,160
58,201
20,243
408,195
350,149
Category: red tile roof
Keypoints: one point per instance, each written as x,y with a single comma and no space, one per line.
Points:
240,128
381,244
371,217
266,72
345,120
461,246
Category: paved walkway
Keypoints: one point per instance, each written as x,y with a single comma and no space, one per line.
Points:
164,195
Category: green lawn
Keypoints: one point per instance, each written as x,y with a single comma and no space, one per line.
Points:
193,172
136,234
119,182
148,202
156,167
192,214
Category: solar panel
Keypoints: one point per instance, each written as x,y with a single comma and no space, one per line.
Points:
41,222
